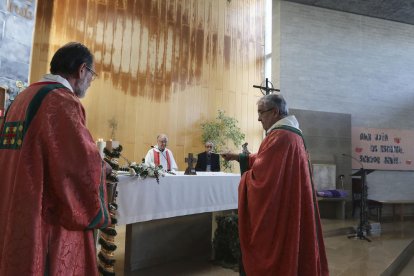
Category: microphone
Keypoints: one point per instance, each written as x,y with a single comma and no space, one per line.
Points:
350,156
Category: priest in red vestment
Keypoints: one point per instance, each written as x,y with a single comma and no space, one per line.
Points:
52,192
279,226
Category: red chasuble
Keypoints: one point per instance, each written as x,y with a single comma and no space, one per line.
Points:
279,224
52,191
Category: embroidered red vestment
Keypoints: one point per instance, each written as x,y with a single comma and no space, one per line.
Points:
52,191
279,224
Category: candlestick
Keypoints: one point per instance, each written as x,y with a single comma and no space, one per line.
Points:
101,145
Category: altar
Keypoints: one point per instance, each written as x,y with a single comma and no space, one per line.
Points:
172,219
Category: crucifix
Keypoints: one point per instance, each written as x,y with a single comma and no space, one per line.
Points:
190,160
245,149
267,89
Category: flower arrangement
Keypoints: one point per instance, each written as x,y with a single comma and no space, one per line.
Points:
144,170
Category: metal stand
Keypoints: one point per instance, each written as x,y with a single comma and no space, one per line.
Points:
363,215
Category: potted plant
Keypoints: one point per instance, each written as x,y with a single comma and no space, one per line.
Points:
223,132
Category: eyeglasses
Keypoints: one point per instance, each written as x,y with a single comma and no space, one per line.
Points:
94,75
260,113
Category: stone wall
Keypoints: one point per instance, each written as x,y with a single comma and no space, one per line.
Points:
333,61
17,19
346,63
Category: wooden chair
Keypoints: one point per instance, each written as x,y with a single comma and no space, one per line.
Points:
356,200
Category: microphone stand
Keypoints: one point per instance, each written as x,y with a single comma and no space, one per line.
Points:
363,214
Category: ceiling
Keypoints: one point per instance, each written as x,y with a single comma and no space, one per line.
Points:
395,10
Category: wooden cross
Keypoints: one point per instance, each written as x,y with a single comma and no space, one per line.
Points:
190,160
268,90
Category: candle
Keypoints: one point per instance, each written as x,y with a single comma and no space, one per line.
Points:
101,145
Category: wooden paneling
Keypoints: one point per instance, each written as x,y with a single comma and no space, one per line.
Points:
163,65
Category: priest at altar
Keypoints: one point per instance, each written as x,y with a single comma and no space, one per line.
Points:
160,155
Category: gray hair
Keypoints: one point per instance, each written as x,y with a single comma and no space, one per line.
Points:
162,135
275,101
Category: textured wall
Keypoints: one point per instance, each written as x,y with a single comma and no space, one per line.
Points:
164,66
16,33
338,62
327,136
276,43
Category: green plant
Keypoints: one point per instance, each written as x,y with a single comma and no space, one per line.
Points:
222,131
226,242
113,125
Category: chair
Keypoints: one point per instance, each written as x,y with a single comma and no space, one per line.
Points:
356,200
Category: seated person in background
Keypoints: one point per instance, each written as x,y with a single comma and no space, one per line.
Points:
208,161
160,155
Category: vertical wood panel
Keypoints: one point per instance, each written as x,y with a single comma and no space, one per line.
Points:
164,65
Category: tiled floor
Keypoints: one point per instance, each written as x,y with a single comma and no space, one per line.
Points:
359,257
345,256
408,269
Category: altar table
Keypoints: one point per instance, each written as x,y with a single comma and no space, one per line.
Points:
171,219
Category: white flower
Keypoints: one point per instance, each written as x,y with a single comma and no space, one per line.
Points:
132,172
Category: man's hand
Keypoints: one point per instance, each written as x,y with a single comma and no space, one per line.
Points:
230,156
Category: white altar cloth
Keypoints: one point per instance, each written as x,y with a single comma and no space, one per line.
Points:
176,195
